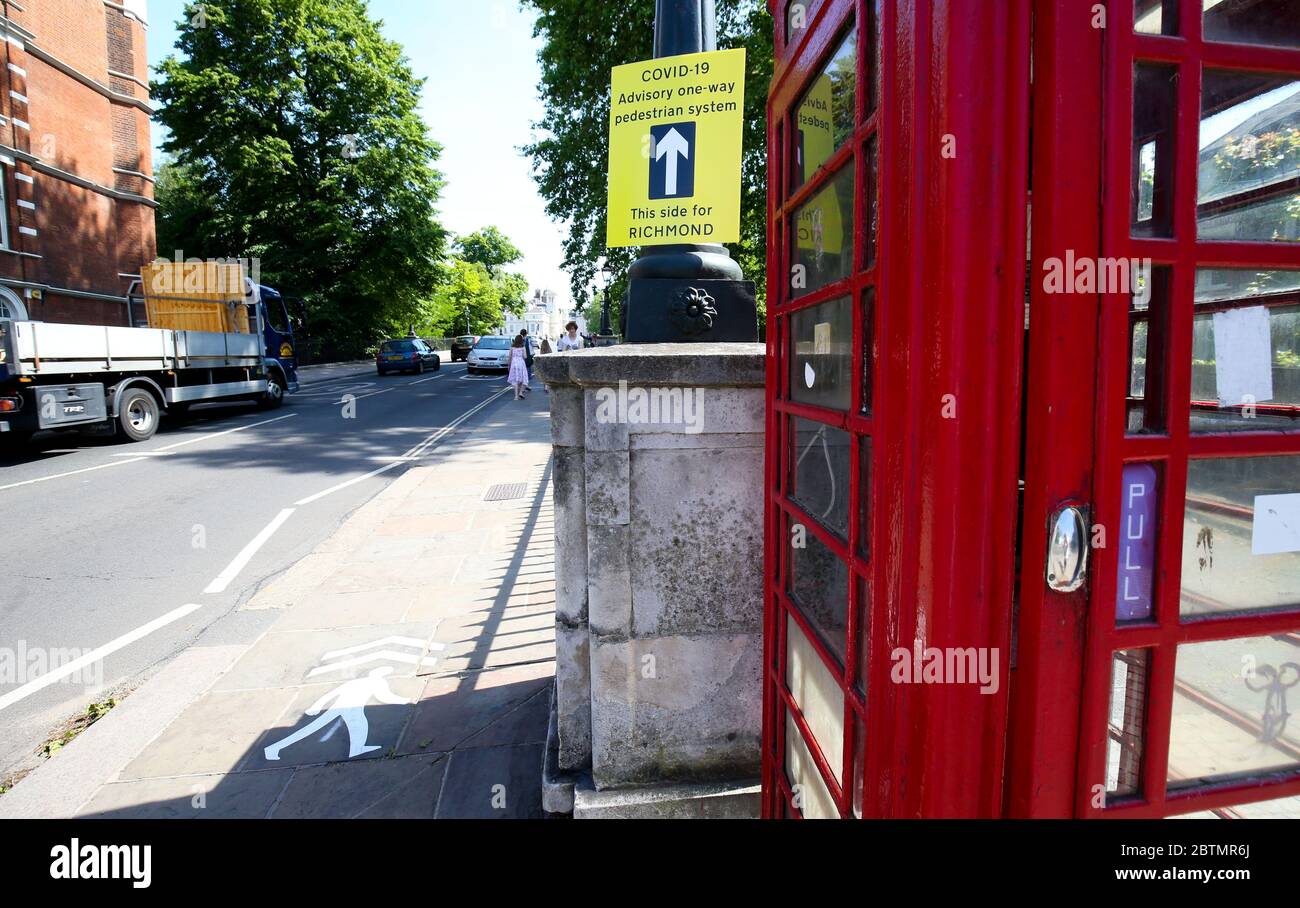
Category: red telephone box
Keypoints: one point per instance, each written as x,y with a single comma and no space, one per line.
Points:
1033,472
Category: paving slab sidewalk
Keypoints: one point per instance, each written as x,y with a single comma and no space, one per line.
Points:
408,673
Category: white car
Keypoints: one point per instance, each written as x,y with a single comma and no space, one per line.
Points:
490,354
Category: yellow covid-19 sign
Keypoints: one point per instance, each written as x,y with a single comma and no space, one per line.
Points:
820,226
675,150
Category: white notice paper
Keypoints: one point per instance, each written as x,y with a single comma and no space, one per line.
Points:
1277,524
1243,356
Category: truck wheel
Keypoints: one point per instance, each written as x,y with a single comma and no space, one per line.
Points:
273,397
137,414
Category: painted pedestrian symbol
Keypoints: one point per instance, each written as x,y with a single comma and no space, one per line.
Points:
346,704
672,160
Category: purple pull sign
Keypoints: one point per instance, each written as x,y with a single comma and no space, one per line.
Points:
1137,543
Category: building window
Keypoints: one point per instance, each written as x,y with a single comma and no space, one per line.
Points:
4,213
11,306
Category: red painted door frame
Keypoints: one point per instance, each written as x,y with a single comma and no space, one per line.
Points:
1043,738
941,375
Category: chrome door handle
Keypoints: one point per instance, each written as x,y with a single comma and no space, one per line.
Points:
1067,550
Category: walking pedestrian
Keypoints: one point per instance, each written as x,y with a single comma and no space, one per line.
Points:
545,348
528,357
518,374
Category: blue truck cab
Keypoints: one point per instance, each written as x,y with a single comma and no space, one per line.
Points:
277,333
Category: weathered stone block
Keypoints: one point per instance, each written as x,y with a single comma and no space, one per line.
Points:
696,541
609,591
606,478
685,709
601,433
567,422
573,696
711,801
712,411
570,501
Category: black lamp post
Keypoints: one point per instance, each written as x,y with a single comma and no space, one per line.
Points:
687,291
605,329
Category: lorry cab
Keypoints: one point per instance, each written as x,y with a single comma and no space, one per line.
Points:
277,331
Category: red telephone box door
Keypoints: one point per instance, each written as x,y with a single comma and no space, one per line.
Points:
1161,401
1178,656
895,322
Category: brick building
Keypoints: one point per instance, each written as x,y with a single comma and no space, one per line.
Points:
77,212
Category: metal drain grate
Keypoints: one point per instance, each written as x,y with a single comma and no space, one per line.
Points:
504,491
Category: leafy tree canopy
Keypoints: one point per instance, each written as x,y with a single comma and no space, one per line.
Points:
474,288
295,139
493,250
581,42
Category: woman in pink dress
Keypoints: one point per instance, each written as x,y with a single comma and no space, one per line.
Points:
518,375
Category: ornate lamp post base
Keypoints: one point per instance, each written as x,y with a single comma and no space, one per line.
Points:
683,309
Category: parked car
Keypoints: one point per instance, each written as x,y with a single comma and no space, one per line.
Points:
490,353
460,346
409,354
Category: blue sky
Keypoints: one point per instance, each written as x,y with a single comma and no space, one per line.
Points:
479,121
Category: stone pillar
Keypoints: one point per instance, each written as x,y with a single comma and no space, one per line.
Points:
659,570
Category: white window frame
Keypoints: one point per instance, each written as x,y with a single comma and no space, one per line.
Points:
4,210
11,306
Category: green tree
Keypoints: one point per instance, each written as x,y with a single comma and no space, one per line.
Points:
490,248
581,43
295,139
475,286
591,313
185,220
464,288
493,250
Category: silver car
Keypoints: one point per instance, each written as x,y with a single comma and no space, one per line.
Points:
490,354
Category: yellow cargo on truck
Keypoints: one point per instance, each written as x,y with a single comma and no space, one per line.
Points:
195,296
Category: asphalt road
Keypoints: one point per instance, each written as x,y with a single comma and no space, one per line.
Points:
143,548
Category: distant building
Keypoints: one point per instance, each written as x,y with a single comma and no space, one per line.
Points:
76,183
544,317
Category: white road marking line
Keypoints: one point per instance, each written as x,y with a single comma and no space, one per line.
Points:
420,381
95,655
356,397
147,454
111,463
191,441
246,554
408,455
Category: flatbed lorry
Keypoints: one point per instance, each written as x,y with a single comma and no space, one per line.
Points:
121,380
